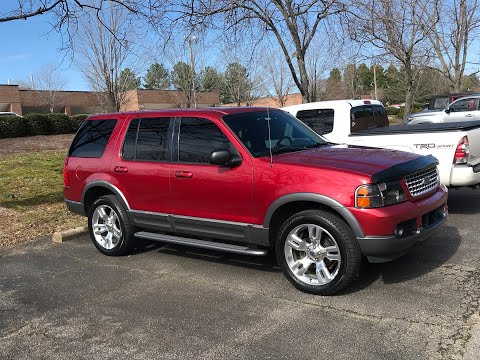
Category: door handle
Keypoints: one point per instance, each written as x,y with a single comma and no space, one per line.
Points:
120,169
183,174
469,115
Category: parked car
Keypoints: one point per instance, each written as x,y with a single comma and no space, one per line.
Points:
250,180
436,109
8,113
364,122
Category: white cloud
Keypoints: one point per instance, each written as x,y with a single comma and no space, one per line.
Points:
14,57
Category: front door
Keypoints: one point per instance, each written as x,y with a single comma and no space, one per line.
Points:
463,110
201,191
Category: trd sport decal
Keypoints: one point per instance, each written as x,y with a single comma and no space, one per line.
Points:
433,146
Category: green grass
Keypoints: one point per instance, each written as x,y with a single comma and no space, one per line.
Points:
28,180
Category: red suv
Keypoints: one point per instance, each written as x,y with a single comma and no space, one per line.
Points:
246,180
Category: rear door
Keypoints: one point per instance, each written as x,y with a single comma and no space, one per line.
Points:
143,166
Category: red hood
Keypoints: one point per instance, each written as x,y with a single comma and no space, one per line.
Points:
362,160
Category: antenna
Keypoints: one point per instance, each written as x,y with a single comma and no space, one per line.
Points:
269,136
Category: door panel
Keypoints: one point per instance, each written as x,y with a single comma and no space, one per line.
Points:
462,110
202,190
143,168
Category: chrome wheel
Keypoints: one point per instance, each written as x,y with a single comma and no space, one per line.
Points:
106,226
312,254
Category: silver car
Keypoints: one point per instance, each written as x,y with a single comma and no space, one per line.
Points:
463,109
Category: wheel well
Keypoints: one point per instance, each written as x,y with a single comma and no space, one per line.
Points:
93,194
285,211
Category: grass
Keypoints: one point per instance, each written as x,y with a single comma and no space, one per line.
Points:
31,197
28,180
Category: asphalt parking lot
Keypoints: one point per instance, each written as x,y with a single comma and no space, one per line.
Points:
61,301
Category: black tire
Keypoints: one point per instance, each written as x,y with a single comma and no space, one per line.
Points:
335,234
124,242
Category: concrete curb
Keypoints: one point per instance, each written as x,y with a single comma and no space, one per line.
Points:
62,236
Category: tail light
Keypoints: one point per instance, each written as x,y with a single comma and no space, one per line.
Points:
66,182
462,152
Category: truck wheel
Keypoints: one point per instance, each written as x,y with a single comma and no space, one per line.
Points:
109,226
318,252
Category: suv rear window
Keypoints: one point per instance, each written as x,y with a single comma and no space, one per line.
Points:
367,117
92,138
319,120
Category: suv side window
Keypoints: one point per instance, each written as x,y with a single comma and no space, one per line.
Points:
319,120
92,138
198,138
146,140
468,104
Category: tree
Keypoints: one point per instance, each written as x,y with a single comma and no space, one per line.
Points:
238,87
470,82
365,78
105,53
393,28
157,77
334,85
350,80
48,83
451,28
211,80
128,80
183,79
277,82
293,25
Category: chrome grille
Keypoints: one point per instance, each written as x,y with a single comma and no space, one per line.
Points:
422,182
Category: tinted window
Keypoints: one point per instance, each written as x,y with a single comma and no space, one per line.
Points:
463,105
92,138
128,151
152,140
367,117
198,139
320,120
274,130
146,140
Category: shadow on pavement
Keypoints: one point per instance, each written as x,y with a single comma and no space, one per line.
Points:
464,201
422,259
265,263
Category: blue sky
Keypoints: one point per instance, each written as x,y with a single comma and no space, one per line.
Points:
29,44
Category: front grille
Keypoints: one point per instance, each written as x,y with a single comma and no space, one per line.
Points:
422,182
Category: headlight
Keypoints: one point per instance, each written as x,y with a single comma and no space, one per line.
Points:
378,195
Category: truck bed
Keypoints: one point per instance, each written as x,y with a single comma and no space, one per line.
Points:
412,129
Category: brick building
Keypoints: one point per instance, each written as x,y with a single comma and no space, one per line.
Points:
20,101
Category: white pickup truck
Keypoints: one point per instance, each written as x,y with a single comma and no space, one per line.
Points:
364,122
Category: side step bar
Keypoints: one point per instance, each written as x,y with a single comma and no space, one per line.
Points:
211,245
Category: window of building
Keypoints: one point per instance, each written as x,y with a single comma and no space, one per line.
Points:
198,139
319,120
92,138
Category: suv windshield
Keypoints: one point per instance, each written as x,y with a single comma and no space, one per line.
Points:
275,130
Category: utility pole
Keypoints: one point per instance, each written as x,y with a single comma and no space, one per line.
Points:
375,80
191,39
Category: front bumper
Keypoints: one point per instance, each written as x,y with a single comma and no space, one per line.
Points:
386,248
465,175
392,230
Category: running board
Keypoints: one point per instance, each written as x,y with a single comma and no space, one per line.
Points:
211,245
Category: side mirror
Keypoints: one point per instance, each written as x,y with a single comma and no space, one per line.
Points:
447,110
224,158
